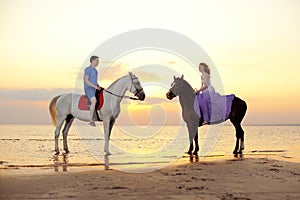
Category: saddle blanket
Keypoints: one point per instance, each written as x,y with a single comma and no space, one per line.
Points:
219,107
84,103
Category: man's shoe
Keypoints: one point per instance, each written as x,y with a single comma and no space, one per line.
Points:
91,123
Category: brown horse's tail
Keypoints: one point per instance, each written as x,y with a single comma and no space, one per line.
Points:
53,111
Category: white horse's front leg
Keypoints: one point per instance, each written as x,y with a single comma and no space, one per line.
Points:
106,124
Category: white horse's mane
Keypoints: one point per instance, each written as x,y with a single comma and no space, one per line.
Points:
112,84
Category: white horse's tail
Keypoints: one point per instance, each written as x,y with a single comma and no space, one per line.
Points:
52,109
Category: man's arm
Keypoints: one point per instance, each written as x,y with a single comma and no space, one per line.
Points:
86,80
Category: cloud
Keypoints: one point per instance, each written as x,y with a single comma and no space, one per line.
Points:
171,62
156,100
113,72
107,72
30,106
147,76
24,112
31,94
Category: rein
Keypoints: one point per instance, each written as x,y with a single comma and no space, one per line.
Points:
127,97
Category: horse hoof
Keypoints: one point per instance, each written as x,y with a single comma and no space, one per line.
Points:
56,153
67,152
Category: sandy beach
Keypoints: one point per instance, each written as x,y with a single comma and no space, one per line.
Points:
237,178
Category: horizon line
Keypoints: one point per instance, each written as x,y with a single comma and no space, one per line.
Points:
226,124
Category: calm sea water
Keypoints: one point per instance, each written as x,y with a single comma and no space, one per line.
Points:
137,148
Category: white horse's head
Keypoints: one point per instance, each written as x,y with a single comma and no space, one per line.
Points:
176,87
136,87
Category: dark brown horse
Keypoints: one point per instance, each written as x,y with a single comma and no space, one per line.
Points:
185,92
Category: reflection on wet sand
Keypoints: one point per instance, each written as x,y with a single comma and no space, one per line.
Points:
57,162
106,162
194,158
63,162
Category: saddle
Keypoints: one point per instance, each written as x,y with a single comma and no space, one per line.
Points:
84,103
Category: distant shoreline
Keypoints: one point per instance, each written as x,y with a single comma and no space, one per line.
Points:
226,124
269,125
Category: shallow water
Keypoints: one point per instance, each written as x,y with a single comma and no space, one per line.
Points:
137,149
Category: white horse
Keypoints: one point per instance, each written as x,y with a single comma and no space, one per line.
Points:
64,108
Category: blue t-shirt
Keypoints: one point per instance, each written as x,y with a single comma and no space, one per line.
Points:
93,76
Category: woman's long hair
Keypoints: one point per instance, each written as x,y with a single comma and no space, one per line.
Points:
206,68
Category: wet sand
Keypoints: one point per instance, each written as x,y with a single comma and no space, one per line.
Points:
239,178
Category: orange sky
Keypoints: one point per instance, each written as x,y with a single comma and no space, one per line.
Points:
254,45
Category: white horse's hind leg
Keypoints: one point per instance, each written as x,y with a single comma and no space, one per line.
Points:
68,124
57,132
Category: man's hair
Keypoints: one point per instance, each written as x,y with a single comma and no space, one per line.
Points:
93,58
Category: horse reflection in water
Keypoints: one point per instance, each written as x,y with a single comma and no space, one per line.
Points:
60,163
194,158
63,162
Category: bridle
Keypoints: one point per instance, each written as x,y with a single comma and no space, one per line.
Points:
172,87
137,91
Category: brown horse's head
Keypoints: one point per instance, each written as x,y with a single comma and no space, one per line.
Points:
176,88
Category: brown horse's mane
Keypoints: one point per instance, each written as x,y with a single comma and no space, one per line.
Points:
185,83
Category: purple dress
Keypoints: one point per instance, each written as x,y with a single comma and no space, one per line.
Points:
211,106
204,103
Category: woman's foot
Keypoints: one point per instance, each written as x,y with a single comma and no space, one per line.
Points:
204,123
91,123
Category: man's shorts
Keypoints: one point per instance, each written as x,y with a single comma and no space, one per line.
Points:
90,92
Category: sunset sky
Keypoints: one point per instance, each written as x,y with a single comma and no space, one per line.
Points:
255,46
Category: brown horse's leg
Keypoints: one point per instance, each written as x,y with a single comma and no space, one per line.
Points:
238,111
193,131
239,147
190,149
196,145
242,146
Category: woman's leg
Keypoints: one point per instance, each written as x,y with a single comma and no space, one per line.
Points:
204,108
197,107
